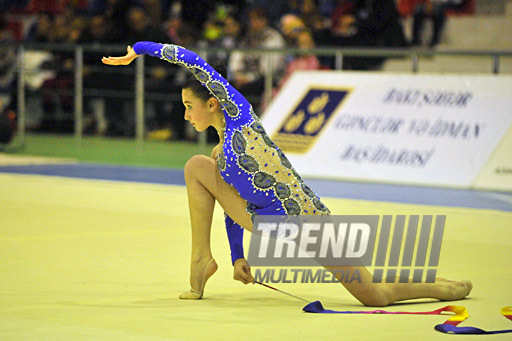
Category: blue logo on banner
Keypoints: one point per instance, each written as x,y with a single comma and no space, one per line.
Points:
300,129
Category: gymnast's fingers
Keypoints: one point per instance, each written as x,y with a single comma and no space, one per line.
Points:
247,270
238,277
241,275
115,61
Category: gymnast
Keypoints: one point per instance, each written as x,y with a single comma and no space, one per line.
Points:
249,175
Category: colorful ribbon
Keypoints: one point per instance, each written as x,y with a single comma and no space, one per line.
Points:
448,327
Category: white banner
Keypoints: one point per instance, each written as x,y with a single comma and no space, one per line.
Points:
496,175
416,129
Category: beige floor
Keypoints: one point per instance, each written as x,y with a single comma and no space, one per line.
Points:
98,260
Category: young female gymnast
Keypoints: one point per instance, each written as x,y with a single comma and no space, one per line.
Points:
248,174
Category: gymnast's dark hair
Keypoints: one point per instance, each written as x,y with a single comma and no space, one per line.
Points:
198,89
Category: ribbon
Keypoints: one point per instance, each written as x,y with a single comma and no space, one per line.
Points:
448,327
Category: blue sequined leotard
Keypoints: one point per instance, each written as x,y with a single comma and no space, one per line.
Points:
250,161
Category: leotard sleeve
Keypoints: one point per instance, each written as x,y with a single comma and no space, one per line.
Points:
235,237
237,110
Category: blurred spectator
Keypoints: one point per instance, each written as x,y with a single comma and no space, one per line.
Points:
46,6
41,30
304,41
230,38
434,9
40,65
154,10
291,26
7,83
140,27
52,72
9,5
311,16
97,7
60,29
169,123
196,12
377,25
181,33
117,14
57,92
165,9
326,7
78,24
343,19
406,7
304,61
232,33
160,80
97,78
294,7
363,23
249,69
274,9
341,33
99,31
7,65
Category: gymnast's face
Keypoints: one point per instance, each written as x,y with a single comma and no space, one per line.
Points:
198,112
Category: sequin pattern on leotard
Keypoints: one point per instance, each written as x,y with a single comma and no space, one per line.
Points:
250,161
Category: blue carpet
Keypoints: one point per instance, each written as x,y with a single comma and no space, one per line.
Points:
339,189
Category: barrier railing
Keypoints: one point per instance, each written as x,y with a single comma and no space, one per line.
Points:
139,94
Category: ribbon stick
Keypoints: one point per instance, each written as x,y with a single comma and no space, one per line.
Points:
448,327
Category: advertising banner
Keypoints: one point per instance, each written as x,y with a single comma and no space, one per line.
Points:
497,173
398,128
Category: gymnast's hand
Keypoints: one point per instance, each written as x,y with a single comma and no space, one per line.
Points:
124,60
242,271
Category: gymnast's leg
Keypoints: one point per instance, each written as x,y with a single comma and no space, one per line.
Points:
383,294
204,186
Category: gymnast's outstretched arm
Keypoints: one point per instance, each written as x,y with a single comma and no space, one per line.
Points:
236,107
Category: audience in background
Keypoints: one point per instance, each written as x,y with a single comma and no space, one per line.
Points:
229,38
159,80
57,91
116,12
377,24
291,26
98,79
203,23
7,66
310,15
434,9
249,68
363,23
302,62
41,30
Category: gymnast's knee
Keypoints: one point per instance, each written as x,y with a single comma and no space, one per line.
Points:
198,163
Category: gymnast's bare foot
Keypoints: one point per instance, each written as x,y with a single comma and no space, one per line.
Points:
200,272
453,290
